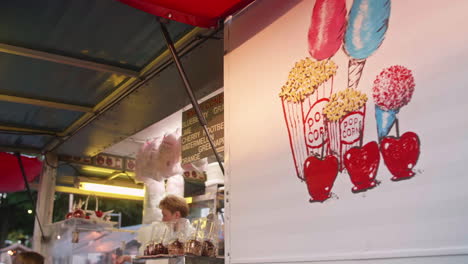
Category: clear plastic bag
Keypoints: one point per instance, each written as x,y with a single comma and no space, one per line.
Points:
145,159
167,162
179,232
193,245
159,159
210,236
159,239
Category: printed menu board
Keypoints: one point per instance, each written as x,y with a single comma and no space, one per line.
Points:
195,144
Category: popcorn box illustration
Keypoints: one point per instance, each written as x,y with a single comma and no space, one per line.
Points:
344,119
303,97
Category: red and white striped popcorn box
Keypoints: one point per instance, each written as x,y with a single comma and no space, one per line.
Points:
346,133
306,127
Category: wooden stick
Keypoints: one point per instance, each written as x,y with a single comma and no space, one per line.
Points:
397,126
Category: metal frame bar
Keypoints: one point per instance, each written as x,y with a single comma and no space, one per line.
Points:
122,91
19,149
27,130
50,104
127,85
189,90
41,55
114,175
31,198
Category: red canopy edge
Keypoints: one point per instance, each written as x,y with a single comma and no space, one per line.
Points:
11,178
201,13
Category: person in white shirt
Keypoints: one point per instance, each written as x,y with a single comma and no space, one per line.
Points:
173,209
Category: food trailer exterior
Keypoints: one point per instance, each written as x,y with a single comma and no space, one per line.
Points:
345,132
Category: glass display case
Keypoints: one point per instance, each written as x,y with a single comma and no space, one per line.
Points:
79,240
188,259
211,205
76,241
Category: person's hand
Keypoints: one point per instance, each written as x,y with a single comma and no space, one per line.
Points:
123,259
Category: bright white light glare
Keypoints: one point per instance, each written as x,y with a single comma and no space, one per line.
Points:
10,252
58,237
29,211
94,187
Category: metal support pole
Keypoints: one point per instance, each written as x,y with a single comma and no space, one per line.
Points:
31,198
70,202
188,89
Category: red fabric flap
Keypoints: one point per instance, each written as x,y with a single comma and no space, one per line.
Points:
201,13
11,179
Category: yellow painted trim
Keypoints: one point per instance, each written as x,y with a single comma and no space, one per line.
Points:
196,31
122,88
75,124
26,130
64,189
32,101
94,169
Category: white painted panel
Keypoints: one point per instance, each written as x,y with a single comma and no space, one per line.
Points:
270,217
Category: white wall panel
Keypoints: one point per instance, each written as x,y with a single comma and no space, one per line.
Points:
270,217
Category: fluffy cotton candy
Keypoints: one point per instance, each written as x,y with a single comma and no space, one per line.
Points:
140,163
393,88
175,185
145,161
154,194
199,165
167,162
327,27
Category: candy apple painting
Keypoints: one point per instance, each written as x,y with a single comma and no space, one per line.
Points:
320,174
325,119
392,90
362,164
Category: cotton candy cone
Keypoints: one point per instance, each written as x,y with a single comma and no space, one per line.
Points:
355,68
385,120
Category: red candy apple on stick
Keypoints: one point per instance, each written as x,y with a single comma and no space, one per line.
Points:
69,215
97,214
401,154
362,164
320,174
393,89
77,211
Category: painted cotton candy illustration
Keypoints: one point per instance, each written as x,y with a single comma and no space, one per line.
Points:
392,89
327,27
365,32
